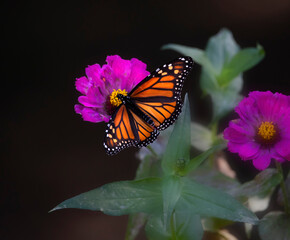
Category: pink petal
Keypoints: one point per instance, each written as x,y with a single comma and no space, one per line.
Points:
277,156
106,118
93,73
88,102
248,111
82,85
271,106
249,150
138,73
78,108
92,115
95,97
284,121
121,67
283,148
235,133
234,147
110,80
262,161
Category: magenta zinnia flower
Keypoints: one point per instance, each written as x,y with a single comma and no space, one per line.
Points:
102,84
263,130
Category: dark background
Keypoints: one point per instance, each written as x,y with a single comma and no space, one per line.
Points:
49,153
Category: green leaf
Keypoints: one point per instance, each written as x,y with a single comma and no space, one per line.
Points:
213,178
155,229
201,137
177,151
184,226
119,198
255,192
208,79
223,102
135,223
210,202
221,48
242,61
149,166
196,54
196,161
171,190
229,61
262,185
275,225
235,85
208,82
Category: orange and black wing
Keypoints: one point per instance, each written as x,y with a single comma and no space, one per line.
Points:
126,129
145,132
159,94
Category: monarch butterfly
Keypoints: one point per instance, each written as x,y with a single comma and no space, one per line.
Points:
153,105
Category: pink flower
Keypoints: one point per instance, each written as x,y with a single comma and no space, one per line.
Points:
103,83
263,130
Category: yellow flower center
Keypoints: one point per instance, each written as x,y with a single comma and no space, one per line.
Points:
267,131
115,101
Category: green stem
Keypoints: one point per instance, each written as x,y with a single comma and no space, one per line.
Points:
173,234
213,128
283,188
152,151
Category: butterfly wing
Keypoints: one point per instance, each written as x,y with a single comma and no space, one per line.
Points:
159,94
146,133
120,132
126,129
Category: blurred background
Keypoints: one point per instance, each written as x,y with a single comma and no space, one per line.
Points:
49,153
